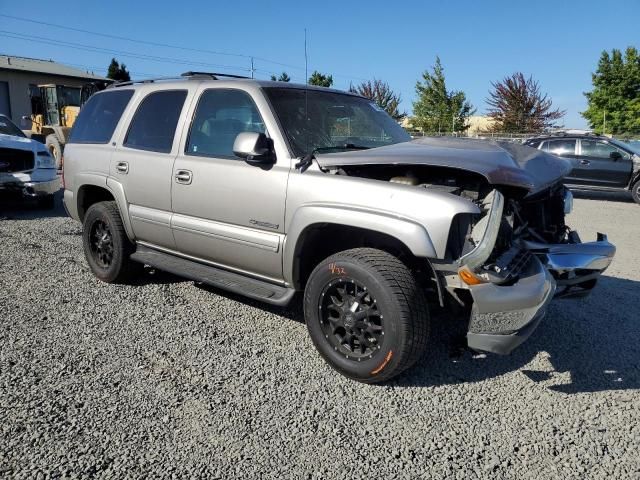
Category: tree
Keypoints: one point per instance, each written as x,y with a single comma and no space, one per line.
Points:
118,71
320,80
381,93
516,105
282,78
614,102
437,109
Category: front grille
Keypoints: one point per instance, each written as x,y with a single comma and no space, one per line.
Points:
13,160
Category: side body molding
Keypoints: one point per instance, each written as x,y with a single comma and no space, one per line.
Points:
409,232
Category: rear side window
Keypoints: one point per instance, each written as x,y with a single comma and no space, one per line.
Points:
221,115
99,117
154,123
560,147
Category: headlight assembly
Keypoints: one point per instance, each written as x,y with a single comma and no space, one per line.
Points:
45,160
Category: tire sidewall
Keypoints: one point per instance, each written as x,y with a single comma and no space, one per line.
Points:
635,191
99,212
394,335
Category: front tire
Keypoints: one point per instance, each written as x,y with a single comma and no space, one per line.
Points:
366,314
106,245
635,191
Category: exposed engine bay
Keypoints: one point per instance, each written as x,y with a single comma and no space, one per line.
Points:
506,258
527,223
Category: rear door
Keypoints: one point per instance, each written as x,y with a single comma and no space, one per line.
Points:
143,160
566,148
604,164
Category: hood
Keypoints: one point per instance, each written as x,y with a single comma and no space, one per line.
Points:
501,163
20,143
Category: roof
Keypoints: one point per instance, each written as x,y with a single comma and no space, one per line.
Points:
9,62
221,77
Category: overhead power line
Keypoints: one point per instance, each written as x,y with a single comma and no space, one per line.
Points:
147,42
168,45
90,48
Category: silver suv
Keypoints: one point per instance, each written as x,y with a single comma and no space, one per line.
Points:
268,188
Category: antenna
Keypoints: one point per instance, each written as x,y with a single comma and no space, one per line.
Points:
306,72
306,94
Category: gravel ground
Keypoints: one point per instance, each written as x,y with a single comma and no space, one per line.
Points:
168,379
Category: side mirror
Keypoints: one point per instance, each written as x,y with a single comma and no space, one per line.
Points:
615,156
255,148
26,123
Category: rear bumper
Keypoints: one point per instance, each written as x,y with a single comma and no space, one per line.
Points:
503,317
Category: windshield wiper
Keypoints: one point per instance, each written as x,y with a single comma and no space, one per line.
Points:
306,160
345,146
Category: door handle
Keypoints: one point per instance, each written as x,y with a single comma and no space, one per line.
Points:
585,162
122,167
184,177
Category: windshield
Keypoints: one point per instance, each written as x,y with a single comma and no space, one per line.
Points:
335,121
633,145
7,127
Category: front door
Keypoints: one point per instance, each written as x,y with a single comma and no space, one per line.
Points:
608,166
226,211
142,163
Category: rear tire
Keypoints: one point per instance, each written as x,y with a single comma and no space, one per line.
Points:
635,191
366,314
106,245
55,149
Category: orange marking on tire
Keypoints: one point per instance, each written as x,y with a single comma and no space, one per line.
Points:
386,360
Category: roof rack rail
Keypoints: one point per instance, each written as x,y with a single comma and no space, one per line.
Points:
212,75
146,80
189,75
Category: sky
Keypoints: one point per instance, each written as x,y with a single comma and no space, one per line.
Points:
478,42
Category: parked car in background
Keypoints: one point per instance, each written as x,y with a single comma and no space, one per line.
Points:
597,162
26,166
269,188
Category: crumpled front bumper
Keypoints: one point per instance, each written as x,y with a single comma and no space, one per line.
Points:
575,266
504,316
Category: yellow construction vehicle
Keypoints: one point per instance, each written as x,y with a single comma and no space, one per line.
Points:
54,110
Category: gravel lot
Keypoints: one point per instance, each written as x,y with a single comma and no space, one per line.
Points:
168,379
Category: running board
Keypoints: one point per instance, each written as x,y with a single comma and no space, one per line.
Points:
216,277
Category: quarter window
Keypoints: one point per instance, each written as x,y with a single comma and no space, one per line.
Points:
99,117
221,115
154,124
560,147
595,149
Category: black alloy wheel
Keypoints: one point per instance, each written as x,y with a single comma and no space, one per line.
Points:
350,319
101,242
366,314
106,245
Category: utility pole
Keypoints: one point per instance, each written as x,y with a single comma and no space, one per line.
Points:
604,122
453,124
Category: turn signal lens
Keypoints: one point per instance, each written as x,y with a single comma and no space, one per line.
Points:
469,277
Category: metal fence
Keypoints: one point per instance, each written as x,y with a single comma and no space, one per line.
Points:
509,137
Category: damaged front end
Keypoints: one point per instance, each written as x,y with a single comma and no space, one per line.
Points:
516,257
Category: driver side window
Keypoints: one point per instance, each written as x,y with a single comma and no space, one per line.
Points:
595,149
220,116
